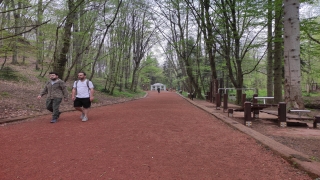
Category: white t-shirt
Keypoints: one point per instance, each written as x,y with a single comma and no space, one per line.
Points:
82,88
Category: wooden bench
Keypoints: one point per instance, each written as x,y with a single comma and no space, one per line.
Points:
191,95
248,108
299,111
264,98
316,119
232,97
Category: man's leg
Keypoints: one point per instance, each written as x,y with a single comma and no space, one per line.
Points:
77,104
86,106
79,109
55,106
49,104
85,111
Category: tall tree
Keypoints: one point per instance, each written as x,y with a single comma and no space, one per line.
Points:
292,80
278,52
39,35
177,16
61,59
205,19
107,26
142,34
17,28
236,38
269,52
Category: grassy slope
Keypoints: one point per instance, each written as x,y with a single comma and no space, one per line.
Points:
20,84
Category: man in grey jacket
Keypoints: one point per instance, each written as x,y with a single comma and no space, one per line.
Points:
55,90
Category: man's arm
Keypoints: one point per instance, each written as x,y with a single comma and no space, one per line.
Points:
64,91
91,94
73,94
91,90
43,92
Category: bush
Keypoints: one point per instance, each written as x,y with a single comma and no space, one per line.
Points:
4,94
127,93
7,73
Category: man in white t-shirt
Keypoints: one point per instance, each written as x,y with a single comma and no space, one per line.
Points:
82,95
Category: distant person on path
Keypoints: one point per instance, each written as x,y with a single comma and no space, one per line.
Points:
82,95
158,89
55,90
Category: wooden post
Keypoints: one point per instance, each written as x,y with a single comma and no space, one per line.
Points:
218,102
255,101
211,92
247,114
225,102
243,99
316,122
255,112
215,87
282,114
230,112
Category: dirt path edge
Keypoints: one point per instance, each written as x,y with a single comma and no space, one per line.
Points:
22,118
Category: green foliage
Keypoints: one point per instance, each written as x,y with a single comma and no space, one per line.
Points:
95,100
7,73
23,45
151,72
128,93
99,86
4,94
314,158
310,38
311,94
184,93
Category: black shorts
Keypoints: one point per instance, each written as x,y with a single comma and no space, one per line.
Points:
82,102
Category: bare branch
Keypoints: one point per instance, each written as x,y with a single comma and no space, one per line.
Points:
33,27
313,39
10,10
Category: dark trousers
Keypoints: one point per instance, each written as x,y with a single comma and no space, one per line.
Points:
53,106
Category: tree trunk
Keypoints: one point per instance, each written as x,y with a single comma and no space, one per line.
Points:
278,58
16,15
269,55
292,81
4,20
60,62
134,78
39,36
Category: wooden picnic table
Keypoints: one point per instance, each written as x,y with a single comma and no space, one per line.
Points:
289,116
256,107
264,98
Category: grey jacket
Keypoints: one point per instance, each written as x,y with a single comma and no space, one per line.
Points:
57,90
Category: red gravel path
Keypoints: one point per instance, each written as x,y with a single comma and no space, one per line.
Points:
159,137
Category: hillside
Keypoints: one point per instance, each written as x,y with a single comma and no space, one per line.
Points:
20,86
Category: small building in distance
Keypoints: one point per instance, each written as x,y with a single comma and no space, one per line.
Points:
155,86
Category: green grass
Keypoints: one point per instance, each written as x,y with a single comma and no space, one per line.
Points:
314,158
185,94
4,94
128,93
95,101
99,84
311,94
7,73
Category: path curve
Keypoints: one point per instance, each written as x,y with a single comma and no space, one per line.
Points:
159,137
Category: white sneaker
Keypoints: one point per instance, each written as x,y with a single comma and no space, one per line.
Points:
85,118
82,115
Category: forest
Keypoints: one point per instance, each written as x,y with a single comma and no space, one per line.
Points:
128,45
